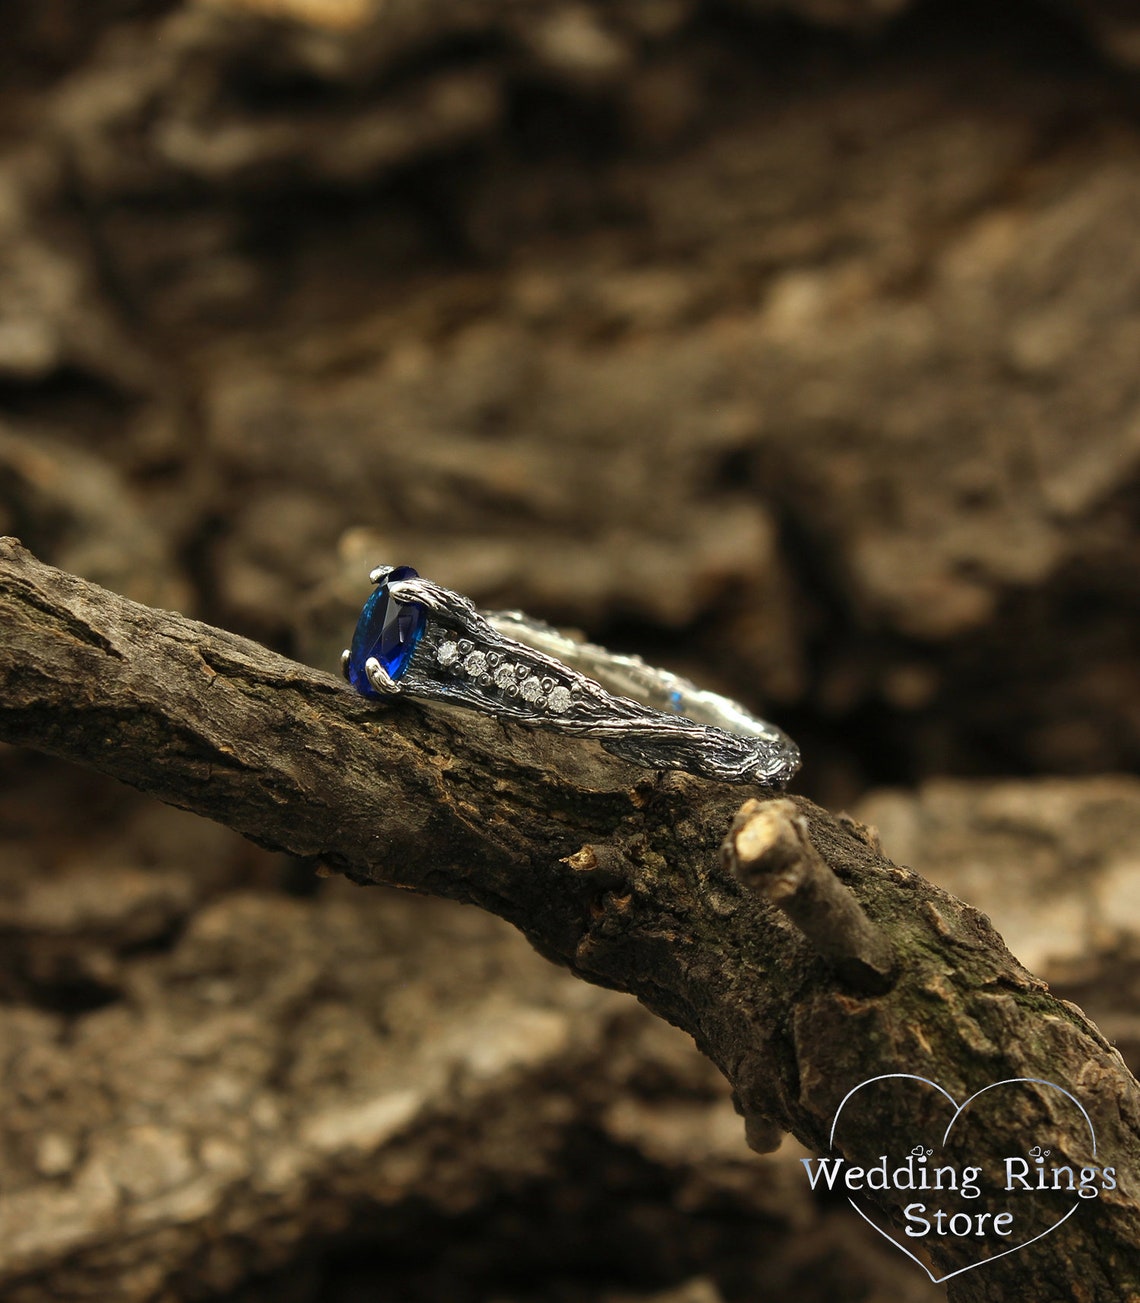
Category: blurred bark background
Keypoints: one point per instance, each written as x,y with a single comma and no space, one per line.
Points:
794,345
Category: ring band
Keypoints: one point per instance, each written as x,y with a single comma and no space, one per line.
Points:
418,639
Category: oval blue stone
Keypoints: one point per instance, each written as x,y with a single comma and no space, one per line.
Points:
387,631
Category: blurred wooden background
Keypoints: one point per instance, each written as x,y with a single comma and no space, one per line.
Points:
794,345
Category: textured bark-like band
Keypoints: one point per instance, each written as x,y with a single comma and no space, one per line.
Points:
425,641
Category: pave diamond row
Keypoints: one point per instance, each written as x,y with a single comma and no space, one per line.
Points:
490,670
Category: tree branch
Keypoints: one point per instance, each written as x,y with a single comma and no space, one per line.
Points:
608,869
769,850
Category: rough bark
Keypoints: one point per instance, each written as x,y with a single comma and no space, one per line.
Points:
291,1071
1052,862
612,872
205,1077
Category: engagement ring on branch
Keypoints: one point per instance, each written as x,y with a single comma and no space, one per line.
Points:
416,638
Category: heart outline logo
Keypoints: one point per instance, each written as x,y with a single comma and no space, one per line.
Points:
959,1109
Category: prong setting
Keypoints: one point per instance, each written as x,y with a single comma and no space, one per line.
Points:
379,677
422,592
345,657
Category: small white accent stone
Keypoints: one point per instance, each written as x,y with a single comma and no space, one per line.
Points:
475,663
505,675
530,689
447,654
559,700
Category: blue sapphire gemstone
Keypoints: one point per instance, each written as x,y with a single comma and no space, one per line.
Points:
387,631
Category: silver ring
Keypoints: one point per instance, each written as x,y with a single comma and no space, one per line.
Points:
420,640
